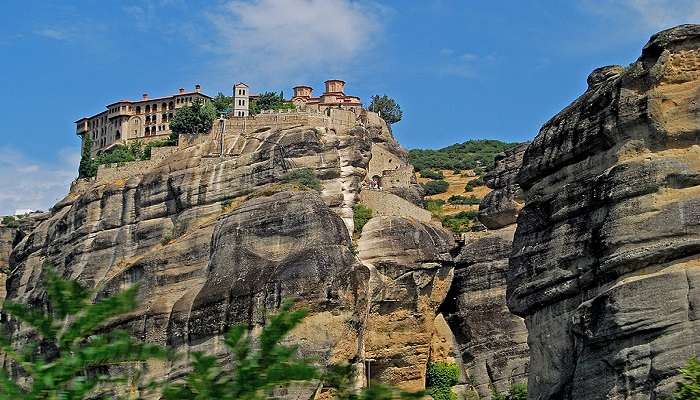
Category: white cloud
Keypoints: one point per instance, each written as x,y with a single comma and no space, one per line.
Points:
461,65
54,33
647,15
281,40
32,184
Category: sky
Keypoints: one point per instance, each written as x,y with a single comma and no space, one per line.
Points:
462,69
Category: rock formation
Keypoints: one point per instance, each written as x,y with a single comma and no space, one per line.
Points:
221,239
492,341
605,266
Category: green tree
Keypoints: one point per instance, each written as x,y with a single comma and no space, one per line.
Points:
387,108
689,387
256,369
88,166
222,103
192,120
64,362
435,187
269,101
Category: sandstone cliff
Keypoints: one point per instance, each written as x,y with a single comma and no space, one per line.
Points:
219,239
605,267
492,341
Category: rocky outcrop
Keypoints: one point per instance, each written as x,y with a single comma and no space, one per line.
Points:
411,273
492,341
220,239
606,260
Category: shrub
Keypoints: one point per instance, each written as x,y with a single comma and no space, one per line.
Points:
469,187
431,174
435,187
305,177
460,222
477,182
464,200
458,156
435,207
689,387
360,215
516,392
441,377
10,221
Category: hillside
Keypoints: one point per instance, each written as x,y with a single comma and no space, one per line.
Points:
468,155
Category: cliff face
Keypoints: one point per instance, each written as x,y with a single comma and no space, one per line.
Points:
492,341
605,267
215,241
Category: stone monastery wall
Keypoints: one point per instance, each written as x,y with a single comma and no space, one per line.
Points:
113,172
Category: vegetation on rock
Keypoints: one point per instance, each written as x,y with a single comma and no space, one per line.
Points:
360,215
135,151
441,377
387,108
467,155
516,392
192,120
10,221
305,177
69,349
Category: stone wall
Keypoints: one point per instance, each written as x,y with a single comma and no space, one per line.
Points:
387,204
115,172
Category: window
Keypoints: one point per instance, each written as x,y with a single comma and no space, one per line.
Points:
138,109
117,136
148,109
163,106
171,105
155,108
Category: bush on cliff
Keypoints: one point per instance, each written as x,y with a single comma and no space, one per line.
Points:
360,215
387,108
516,392
435,187
67,348
304,176
441,377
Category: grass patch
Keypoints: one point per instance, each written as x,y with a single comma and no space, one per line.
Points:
304,176
360,215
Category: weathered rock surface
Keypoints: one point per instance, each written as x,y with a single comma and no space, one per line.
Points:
500,207
215,240
606,260
411,273
492,341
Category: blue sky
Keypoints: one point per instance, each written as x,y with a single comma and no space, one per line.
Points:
459,69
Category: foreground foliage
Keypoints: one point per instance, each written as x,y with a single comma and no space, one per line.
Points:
441,377
68,349
468,155
516,392
254,372
270,101
689,387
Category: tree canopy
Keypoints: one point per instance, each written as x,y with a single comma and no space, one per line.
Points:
269,101
195,119
222,103
387,108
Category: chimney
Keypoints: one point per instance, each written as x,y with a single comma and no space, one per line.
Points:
197,88
181,90
145,96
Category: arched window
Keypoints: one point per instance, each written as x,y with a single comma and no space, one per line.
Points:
117,136
171,105
138,109
148,109
164,117
163,106
155,108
